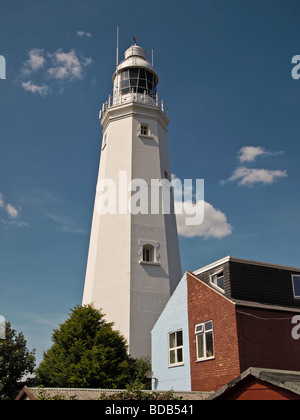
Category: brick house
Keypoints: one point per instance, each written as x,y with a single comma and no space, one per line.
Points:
223,319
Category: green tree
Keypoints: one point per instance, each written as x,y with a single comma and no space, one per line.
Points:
15,363
86,353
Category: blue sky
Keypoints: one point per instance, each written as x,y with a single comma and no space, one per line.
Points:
225,74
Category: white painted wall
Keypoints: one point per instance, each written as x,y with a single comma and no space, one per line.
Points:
131,294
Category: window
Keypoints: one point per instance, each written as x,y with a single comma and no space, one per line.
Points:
176,348
217,279
148,253
144,130
139,80
296,286
205,341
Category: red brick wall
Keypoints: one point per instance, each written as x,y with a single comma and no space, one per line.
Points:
265,339
204,304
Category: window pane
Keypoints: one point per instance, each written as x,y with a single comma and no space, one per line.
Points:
179,339
199,328
172,357
149,77
134,72
124,84
296,282
208,326
133,82
179,356
124,75
172,340
218,280
209,345
146,255
142,74
142,84
200,346
221,283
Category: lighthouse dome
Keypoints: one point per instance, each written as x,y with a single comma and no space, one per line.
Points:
135,74
137,51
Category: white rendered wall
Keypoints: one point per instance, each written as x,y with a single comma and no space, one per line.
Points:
130,293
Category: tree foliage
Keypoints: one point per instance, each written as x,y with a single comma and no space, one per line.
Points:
86,353
15,363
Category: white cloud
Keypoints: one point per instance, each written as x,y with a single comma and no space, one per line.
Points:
66,224
12,211
83,34
67,65
12,214
44,71
35,89
35,61
214,225
249,177
250,153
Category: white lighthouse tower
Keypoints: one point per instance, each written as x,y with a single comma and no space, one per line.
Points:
133,263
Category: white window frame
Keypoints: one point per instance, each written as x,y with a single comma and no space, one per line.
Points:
200,331
294,291
144,128
175,349
214,284
155,251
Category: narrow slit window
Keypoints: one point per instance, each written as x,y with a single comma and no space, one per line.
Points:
148,253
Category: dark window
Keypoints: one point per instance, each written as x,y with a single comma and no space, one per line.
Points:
148,253
138,81
296,286
218,280
144,130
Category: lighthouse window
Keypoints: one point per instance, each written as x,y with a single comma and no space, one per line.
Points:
138,81
148,253
144,130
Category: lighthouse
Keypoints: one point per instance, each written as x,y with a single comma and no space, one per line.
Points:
133,262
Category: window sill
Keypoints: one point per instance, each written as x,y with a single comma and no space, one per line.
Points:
175,365
145,136
205,360
149,263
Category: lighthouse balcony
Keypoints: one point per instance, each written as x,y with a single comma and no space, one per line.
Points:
122,99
